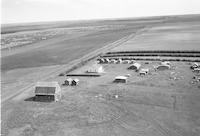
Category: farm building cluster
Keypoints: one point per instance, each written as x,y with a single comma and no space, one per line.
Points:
52,90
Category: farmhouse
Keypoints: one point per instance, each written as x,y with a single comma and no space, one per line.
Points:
96,68
49,90
135,66
120,79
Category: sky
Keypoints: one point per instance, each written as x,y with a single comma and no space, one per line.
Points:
18,11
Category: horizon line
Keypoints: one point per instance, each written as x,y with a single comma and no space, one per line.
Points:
100,19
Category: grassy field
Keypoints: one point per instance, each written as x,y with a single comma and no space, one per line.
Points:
166,36
62,50
153,105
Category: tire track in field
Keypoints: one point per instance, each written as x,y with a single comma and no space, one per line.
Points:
164,130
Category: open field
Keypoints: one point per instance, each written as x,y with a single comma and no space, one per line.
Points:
154,105
163,103
167,36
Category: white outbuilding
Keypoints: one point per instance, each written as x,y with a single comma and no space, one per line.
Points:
135,66
68,81
96,68
195,65
144,71
120,79
75,82
165,63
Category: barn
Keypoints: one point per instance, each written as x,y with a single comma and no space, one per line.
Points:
48,91
135,66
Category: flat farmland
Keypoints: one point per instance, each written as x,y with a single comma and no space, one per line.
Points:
61,50
166,36
162,103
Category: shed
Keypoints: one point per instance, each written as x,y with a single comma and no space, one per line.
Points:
197,70
119,61
50,90
144,71
101,60
132,61
75,82
126,61
113,61
68,81
165,63
96,68
163,67
120,79
106,60
195,65
135,66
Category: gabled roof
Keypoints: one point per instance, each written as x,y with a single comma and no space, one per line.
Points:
47,88
121,77
137,65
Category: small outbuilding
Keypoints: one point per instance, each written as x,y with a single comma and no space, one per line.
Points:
144,71
126,61
101,60
196,70
195,65
75,82
106,60
165,63
135,66
68,81
120,79
119,61
96,68
163,67
113,61
48,90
